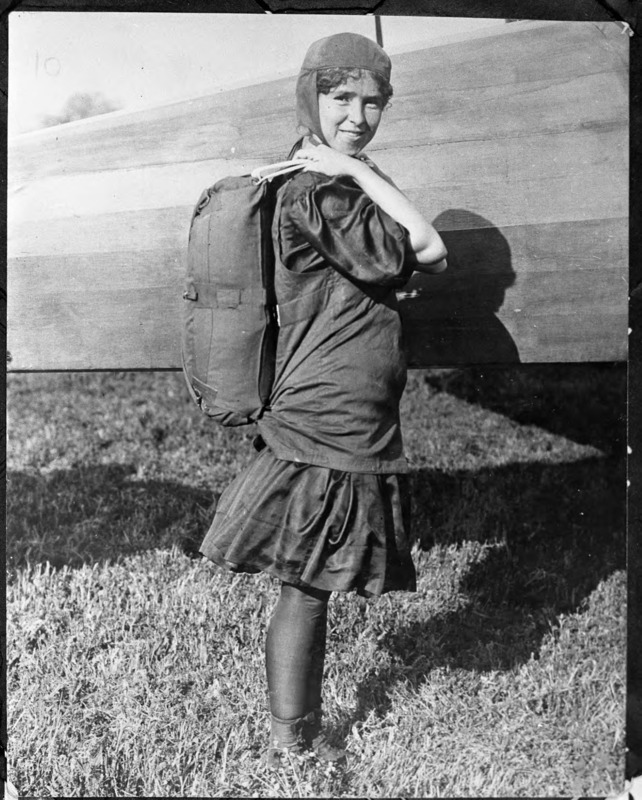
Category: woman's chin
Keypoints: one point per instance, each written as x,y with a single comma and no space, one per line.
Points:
348,148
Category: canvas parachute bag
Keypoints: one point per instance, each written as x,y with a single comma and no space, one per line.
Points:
230,324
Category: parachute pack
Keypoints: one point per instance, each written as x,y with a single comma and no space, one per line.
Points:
230,323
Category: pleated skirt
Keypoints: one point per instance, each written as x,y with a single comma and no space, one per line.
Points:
315,526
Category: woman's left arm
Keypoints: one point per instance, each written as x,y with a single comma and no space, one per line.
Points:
427,245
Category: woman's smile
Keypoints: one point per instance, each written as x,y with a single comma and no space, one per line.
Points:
352,137
350,114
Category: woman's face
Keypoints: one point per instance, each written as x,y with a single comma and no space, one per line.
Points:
350,114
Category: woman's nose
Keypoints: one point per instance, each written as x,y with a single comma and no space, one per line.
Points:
356,115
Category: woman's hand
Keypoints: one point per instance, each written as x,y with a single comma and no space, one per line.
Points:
327,161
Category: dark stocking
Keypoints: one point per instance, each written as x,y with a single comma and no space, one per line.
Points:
295,651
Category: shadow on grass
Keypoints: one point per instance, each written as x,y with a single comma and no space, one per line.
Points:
559,531
582,402
81,516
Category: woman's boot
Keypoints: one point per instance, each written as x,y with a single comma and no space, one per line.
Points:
294,736
286,739
315,739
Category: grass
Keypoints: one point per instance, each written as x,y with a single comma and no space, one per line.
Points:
136,668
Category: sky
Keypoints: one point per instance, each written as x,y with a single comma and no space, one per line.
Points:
139,60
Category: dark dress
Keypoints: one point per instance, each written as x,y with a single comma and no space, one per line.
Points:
325,503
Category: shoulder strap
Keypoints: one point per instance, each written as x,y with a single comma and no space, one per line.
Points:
271,171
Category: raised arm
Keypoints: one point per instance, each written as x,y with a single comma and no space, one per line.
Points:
427,245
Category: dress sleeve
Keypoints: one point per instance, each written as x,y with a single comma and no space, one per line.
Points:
349,231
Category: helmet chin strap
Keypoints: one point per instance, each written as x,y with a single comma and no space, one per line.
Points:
316,140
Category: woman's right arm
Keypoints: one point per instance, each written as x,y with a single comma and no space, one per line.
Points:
428,250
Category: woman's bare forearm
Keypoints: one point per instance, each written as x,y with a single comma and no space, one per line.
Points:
434,268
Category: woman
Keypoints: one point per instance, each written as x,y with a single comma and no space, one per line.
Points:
324,506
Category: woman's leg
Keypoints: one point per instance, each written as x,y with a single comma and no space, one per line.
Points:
295,652
295,656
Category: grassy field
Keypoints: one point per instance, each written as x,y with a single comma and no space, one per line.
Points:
136,668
